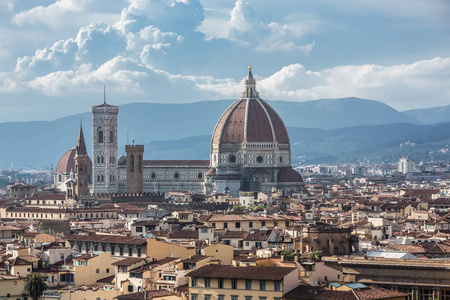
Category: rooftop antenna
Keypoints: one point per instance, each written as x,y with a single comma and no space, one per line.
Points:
127,138
104,94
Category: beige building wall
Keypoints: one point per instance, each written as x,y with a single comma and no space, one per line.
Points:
158,249
13,286
97,268
290,281
219,251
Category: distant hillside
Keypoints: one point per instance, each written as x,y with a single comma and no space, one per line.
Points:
432,115
43,143
338,113
376,143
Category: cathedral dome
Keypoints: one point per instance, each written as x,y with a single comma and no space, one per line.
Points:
289,175
67,163
250,119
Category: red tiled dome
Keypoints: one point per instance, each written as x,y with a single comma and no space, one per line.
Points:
67,163
289,175
252,120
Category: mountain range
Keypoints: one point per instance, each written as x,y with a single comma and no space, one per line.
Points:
328,131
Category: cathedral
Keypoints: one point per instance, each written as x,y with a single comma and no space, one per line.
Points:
250,151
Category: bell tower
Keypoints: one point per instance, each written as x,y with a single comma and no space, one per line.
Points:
135,168
104,148
81,166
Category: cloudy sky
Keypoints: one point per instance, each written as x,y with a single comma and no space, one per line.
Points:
55,56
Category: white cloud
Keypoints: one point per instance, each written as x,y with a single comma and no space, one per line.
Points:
420,84
49,15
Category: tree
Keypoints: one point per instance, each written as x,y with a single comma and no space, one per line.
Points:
35,285
316,255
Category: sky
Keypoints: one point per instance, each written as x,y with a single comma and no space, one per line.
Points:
56,56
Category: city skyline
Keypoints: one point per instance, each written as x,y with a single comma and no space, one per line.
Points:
56,57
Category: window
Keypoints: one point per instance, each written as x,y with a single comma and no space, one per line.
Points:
132,163
220,283
194,296
234,297
260,159
107,270
262,285
262,298
100,136
138,228
225,225
177,175
207,283
220,297
248,284
234,284
250,224
263,223
97,271
277,286
130,288
111,137
238,224
247,243
207,297
194,282
62,256
248,297
204,230
232,159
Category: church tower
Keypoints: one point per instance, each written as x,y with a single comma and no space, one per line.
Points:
81,166
135,168
104,148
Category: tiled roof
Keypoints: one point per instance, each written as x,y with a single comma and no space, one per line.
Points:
250,119
256,273
119,239
194,258
234,234
145,295
178,163
183,234
128,261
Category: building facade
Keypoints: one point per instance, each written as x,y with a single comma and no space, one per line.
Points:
105,173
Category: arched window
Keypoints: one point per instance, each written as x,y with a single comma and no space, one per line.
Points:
60,178
132,163
103,159
98,159
100,135
98,178
103,178
111,136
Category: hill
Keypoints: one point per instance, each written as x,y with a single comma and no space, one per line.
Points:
40,144
432,115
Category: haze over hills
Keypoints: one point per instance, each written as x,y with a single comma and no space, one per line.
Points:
430,115
334,128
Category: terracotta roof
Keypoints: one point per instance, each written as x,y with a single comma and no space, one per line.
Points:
67,163
256,273
372,293
178,163
194,258
211,172
145,295
251,119
234,234
318,293
128,261
289,175
108,279
119,239
183,234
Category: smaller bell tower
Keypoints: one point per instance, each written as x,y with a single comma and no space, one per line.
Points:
135,168
81,167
